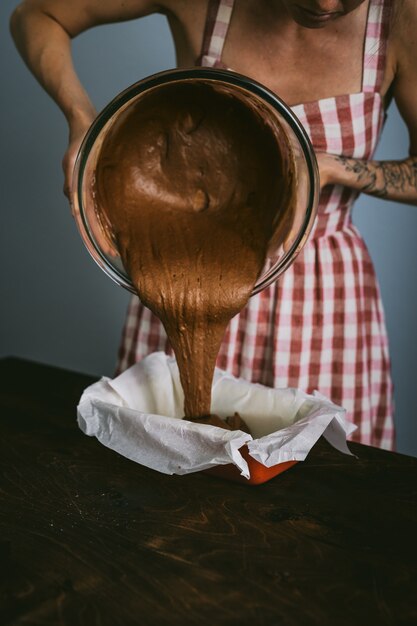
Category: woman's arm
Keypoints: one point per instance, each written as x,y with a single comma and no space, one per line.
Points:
42,31
393,180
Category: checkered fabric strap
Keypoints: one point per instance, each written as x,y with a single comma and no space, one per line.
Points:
375,44
219,13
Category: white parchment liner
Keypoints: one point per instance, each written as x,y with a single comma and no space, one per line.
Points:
138,414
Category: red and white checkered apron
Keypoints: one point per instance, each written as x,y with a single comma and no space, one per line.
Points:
321,325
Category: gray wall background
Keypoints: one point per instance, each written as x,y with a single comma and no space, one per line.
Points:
57,306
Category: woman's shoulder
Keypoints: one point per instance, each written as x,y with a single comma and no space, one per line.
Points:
403,54
403,29
403,21
402,42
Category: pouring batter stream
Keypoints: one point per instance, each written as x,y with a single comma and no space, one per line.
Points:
194,185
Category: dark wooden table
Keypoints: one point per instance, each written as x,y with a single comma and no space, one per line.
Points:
89,538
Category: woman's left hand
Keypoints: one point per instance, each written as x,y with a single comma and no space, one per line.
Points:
329,167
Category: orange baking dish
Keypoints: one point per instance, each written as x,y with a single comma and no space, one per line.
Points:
258,473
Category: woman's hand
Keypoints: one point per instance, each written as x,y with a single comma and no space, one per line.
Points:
76,135
329,168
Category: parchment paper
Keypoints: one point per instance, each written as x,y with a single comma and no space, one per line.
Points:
138,414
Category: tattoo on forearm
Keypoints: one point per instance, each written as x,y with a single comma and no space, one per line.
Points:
384,177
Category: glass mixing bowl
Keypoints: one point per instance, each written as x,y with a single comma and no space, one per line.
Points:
297,154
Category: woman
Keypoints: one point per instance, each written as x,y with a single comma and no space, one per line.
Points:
337,63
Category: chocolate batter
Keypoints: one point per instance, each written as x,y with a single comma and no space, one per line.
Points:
233,422
193,182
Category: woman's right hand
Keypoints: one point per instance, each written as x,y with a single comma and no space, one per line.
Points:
76,136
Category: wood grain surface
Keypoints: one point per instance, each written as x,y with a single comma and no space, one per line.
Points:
89,538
